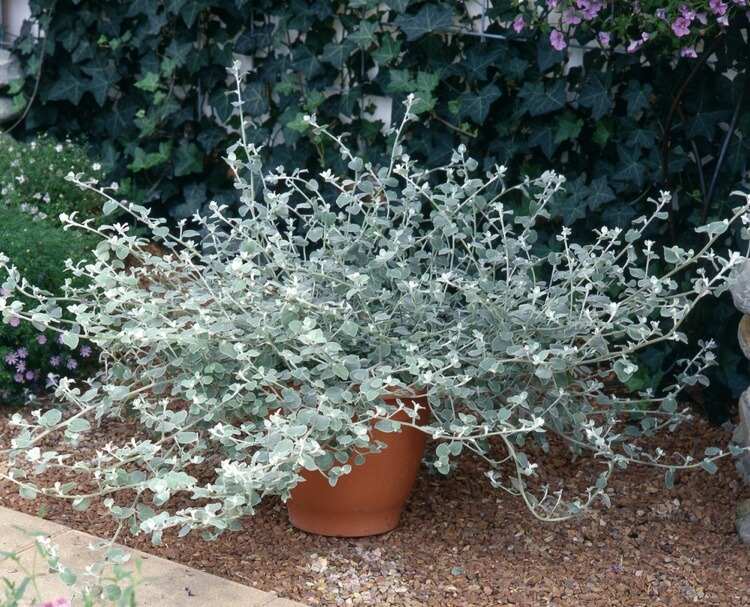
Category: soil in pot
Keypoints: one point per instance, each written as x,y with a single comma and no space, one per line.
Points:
368,500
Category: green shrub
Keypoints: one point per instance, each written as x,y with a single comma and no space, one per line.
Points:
32,177
27,355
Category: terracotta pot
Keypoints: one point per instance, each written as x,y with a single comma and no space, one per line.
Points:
368,500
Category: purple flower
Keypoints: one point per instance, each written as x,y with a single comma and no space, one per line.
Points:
688,52
557,40
85,351
4,292
21,366
41,339
518,24
14,321
22,352
604,38
718,7
71,364
570,17
11,358
29,375
18,377
54,361
60,339
687,12
681,27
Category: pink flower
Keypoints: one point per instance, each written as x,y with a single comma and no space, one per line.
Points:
71,364
85,351
59,602
518,24
14,321
22,352
570,17
718,7
41,339
688,52
18,377
635,45
681,27
604,38
557,40
29,375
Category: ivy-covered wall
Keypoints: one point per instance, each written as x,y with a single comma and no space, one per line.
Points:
146,83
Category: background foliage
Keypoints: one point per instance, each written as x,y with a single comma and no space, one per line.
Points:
147,83
33,193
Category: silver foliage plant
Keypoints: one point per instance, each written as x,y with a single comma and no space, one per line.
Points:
259,344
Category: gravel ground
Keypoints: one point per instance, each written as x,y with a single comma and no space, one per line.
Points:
461,543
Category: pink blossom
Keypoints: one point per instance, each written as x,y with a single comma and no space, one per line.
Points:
557,40
14,321
718,7
41,339
59,602
688,52
681,27
519,24
570,17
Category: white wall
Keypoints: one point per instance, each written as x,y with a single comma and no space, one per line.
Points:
13,14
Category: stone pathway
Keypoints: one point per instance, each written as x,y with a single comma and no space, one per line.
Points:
164,583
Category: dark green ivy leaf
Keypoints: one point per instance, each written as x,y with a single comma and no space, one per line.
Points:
599,193
398,5
254,99
306,62
546,55
538,99
704,124
69,86
571,205
188,159
387,51
477,105
430,19
544,138
364,35
595,95
568,127
477,59
638,96
631,168
103,77
336,54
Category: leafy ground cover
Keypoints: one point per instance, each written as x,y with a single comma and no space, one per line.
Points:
463,543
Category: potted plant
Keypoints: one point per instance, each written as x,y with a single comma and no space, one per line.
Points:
289,343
